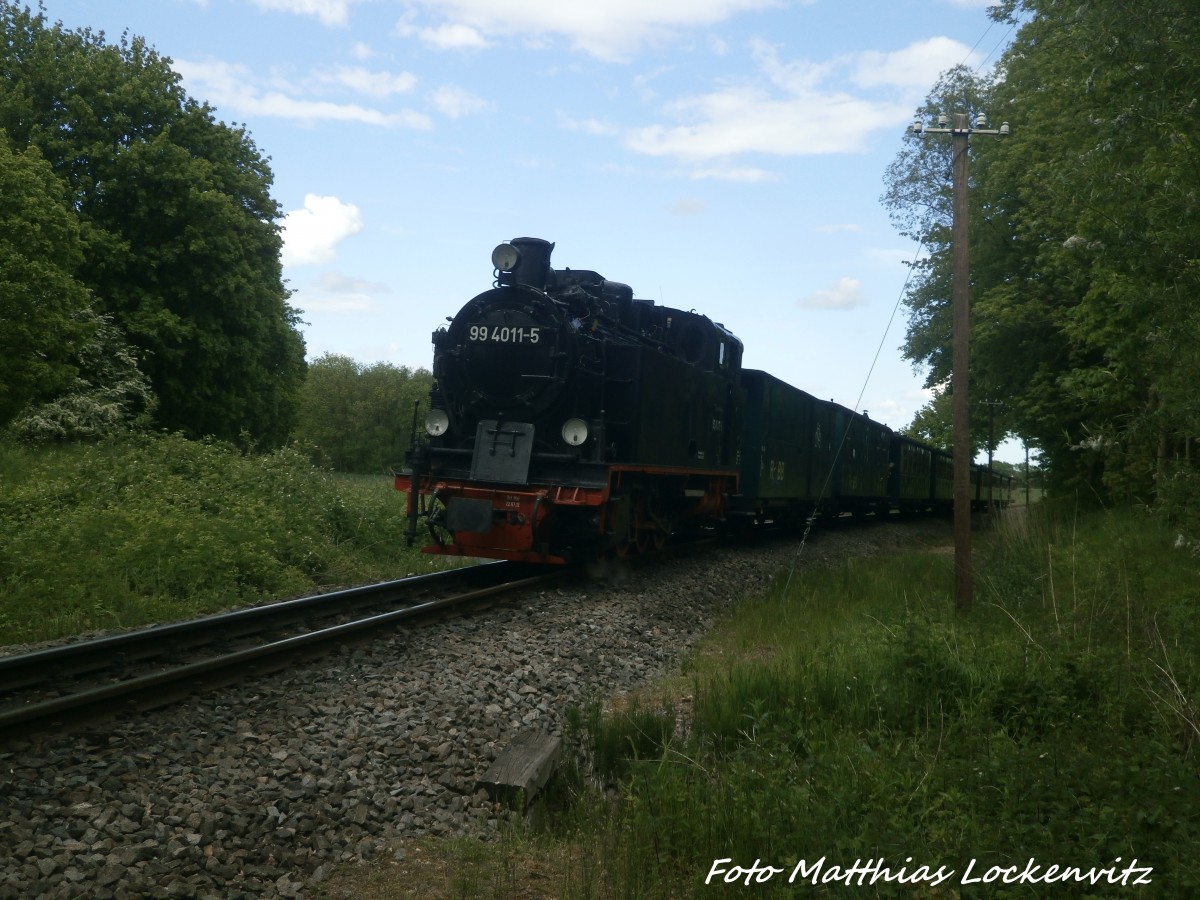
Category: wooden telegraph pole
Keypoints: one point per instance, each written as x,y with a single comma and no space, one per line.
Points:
959,382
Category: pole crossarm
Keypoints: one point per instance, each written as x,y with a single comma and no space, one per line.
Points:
980,126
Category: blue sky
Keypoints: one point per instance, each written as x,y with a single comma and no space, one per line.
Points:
725,156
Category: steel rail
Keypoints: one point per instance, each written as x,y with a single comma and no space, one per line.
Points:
25,669
227,663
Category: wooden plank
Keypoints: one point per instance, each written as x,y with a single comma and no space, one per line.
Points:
522,769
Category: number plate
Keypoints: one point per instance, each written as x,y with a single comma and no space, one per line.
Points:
505,334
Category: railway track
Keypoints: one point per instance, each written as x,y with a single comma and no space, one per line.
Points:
73,684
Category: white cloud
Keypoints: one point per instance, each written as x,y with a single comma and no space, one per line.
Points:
234,88
329,12
608,29
453,37
644,83
365,81
792,108
914,68
455,102
448,36
340,294
751,120
311,234
587,126
846,293
688,206
743,174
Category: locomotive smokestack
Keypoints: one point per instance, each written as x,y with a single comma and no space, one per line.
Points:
533,268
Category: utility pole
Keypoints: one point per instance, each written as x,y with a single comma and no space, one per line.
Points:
961,250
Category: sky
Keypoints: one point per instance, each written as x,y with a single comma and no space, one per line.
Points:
725,156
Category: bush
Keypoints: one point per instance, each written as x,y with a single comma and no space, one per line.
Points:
152,528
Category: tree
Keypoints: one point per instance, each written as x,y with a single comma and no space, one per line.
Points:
175,212
108,394
42,306
1084,260
1100,264
932,423
919,196
358,418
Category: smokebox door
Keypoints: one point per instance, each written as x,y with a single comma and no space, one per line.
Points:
502,452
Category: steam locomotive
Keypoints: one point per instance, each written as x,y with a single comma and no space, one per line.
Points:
569,419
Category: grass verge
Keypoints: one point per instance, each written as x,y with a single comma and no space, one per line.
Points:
848,715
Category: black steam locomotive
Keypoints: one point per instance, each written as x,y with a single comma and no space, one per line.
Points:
569,418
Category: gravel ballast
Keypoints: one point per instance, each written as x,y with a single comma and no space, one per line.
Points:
260,790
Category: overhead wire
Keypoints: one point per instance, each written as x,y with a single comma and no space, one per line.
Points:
809,522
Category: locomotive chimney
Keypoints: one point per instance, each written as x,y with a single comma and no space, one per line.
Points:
534,266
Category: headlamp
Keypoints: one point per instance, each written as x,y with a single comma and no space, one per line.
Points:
437,422
505,257
574,431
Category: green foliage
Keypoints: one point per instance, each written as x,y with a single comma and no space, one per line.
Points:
358,418
174,210
42,306
65,371
108,395
1084,264
142,529
861,718
933,422
1179,491
920,201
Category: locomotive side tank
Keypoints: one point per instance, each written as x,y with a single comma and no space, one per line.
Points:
568,416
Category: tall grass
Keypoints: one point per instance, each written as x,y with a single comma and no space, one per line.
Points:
153,528
861,718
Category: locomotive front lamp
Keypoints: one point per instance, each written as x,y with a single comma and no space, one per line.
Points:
505,257
437,422
574,431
